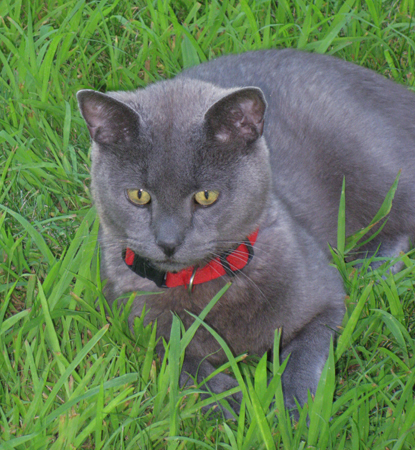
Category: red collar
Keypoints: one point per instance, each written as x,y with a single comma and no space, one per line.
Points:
228,263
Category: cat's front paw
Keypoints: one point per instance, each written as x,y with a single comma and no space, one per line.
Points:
217,385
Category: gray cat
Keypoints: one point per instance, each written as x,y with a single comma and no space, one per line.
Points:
233,171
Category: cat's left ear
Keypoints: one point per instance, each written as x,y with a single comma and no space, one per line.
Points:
109,121
239,115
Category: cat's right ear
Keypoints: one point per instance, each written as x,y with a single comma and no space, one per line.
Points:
109,121
238,115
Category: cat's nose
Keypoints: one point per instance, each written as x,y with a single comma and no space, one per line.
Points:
169,235
168,247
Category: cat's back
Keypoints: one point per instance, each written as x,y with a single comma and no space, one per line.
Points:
291,73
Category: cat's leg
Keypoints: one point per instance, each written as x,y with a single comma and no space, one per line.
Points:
307,353
195,370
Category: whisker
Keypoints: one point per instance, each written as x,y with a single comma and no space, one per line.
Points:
237,252
249,279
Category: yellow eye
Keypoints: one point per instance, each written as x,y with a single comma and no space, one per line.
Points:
138,196
206,198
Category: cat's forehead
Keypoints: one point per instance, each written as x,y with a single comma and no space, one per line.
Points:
179,103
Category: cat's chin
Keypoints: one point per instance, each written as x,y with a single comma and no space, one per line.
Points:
170,266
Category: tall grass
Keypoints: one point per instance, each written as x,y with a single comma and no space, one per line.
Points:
74,376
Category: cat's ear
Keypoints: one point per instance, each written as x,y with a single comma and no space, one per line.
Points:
237,115
109,121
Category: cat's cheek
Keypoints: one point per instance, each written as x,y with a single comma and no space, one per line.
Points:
195,241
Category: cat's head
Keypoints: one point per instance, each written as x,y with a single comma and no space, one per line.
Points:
180,172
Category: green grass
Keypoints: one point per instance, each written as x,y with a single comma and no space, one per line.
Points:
72,376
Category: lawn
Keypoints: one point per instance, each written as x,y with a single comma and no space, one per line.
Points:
73,376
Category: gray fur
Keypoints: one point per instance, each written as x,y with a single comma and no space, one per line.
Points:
203,130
